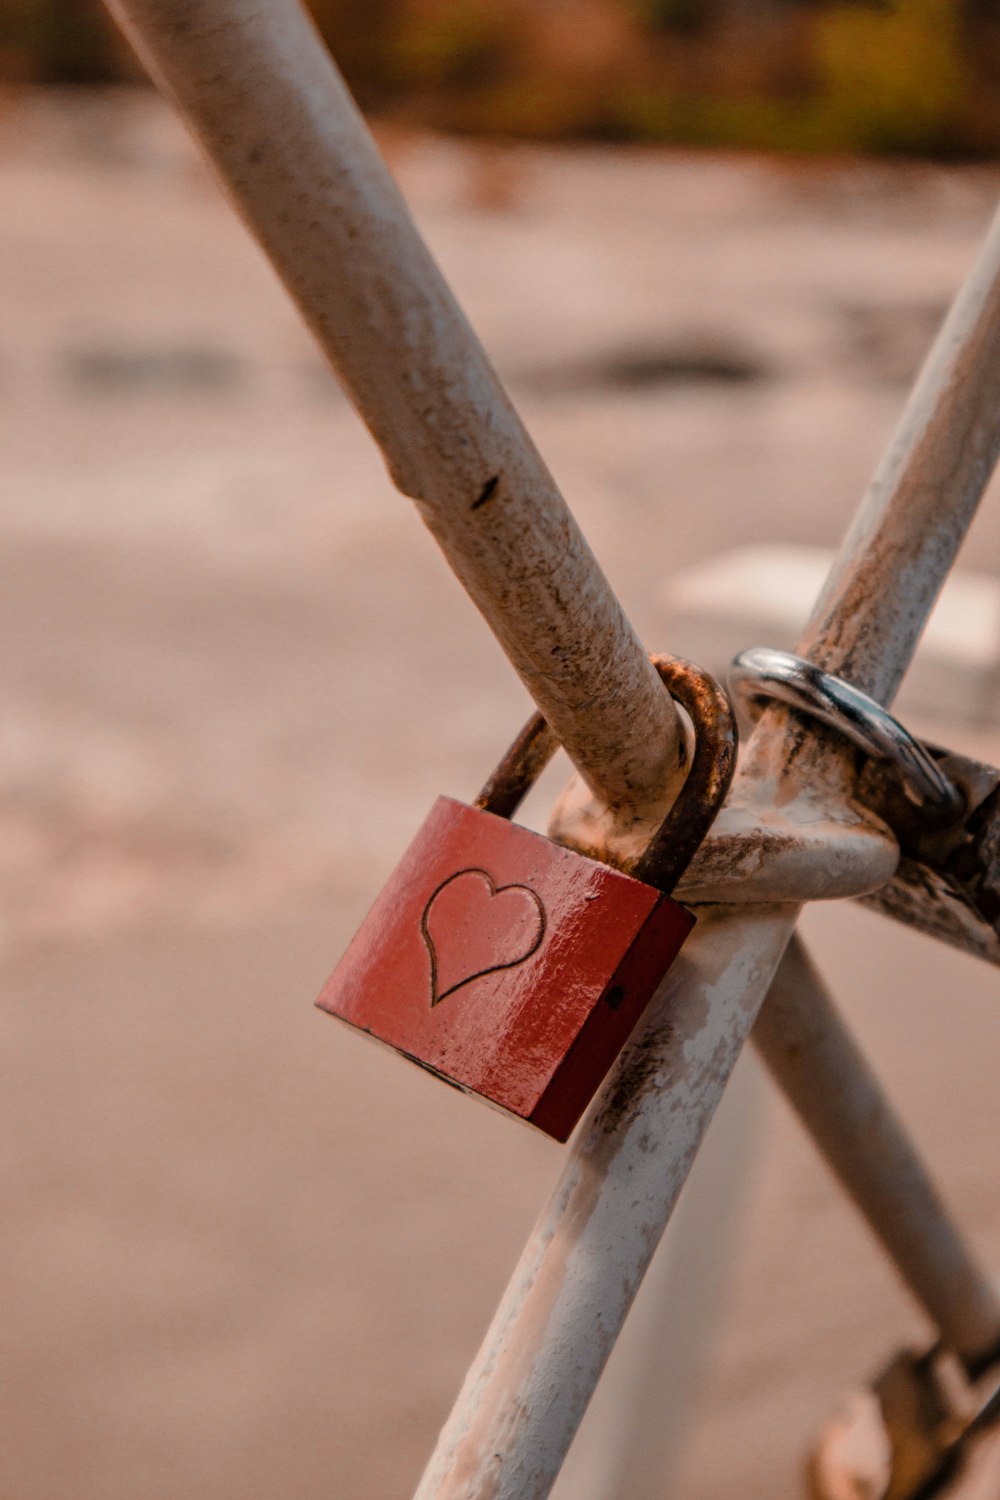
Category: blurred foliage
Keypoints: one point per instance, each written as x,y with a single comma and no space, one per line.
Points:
892,81
460,45
57,41
916,76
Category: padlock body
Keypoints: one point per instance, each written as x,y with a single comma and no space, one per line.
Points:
510,966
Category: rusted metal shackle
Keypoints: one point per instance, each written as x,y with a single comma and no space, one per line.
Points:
713,763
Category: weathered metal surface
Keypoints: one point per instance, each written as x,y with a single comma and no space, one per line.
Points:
825,1077
709,777
637,1430
264,99
948,882
776,839
919,505
945,882
884,580
507,965
531,1380
707,780
761,673
273,116
546,1347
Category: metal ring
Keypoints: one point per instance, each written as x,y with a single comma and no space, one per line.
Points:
765,673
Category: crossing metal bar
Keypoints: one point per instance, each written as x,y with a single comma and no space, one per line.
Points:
267,104
543,1354
824,1076
261,94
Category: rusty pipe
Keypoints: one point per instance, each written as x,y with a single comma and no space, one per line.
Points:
267,105
544,1352
315,192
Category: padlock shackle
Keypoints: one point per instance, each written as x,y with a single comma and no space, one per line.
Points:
713,764
520,768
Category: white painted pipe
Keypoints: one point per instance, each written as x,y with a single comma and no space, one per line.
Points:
923,496
272,113
635,1434
825,1077
530,1383
546,1347
262,95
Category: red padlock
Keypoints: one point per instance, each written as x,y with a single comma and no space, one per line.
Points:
515,968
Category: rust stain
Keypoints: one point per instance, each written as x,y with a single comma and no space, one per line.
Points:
713,765
638,1075
487,492
709,777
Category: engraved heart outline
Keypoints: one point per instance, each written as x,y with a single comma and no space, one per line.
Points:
495,890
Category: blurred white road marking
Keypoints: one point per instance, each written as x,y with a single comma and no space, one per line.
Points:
761,595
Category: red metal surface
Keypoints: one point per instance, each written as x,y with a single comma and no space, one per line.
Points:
508,965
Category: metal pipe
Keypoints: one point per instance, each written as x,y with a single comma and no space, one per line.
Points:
544,1352
762,673
903,540
263,97
819,1068
636,1433
269,108
530,1382
921,501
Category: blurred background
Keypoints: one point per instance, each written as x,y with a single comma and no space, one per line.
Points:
707,243
802,75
